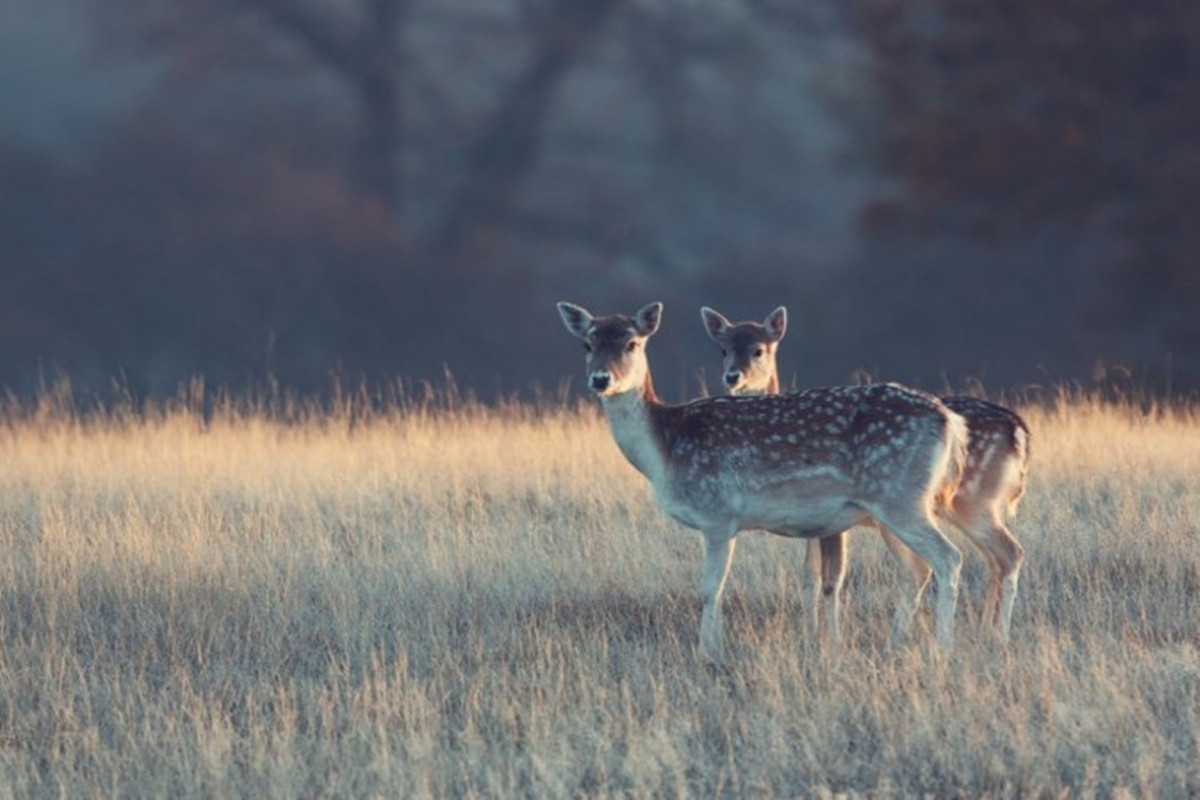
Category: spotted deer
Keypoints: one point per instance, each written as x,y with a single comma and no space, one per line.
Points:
992,485
807,465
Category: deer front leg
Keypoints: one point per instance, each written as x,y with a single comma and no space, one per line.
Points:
813,564
718,555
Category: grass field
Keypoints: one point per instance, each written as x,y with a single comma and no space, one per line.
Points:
461,602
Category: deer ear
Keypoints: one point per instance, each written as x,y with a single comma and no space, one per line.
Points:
776,323
648,318
716,325
576,318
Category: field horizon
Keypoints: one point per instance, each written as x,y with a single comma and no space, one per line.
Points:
359,597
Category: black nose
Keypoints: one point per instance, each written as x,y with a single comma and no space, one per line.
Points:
731,378
599,383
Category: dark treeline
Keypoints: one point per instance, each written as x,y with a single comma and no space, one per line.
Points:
389,189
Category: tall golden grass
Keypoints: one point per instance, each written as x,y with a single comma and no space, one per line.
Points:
456,601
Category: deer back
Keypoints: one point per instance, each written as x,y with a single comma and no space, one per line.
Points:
844,446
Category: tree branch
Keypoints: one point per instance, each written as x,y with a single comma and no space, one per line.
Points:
337,52
510,143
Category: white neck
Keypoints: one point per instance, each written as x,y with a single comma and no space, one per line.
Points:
629,417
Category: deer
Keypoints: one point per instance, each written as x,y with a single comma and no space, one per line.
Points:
992,486
807,465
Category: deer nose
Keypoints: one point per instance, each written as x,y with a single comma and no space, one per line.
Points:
600,381
731,378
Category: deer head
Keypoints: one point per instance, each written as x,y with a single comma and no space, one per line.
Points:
748,350
615,346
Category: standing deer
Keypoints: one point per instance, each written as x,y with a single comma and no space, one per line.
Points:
992,485
805,465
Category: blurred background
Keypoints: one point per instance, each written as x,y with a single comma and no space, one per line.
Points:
944,192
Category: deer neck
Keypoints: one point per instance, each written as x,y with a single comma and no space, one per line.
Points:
773,381
772,387
636,421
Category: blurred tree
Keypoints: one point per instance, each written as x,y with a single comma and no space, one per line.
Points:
371,183
1001,117
365,46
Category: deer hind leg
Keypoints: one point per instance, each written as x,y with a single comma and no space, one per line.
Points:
833,576
718,555
1004,556
916,576
915,528
1010,564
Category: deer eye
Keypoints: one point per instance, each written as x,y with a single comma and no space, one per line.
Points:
633,345
758,352
724,352
587,346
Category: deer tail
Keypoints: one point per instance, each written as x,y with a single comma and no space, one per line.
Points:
956,435
1020,466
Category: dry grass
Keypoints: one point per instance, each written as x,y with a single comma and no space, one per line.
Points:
469,603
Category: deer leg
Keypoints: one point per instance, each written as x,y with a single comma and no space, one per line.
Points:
813,563
1010,567
1008,556
915,528
1003,554
718,555
966,518
833,575
916,576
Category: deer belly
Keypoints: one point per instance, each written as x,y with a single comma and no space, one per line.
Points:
803,518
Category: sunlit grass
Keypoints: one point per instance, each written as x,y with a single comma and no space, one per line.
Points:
417,599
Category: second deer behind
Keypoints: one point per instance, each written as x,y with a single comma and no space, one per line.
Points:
992,485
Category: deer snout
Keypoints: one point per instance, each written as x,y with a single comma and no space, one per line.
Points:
732,377
600,381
